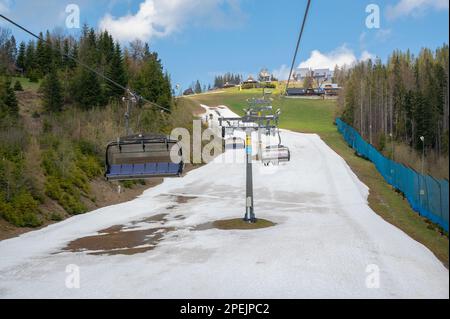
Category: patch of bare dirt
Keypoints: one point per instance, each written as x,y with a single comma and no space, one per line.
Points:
106,193
234,224
153,219
122,239
115,241
184,199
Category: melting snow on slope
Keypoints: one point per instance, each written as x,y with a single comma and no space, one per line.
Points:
327,242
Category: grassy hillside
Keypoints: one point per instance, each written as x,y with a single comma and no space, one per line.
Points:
52,165
317,116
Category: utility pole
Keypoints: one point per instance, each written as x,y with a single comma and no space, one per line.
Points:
422,191
422,138
392,142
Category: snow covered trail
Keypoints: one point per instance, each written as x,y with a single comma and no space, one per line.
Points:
327,242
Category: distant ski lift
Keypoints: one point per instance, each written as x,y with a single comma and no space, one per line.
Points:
234,143
142,157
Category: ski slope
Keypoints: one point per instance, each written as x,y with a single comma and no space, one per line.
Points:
327,242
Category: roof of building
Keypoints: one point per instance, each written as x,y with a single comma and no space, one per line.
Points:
250,79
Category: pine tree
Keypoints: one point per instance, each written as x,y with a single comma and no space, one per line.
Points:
40,56
56,54
66,54
13,48
116,72
198,87
152,83
30,58
51,88
18,86
86,90
8,100
74,54
20,62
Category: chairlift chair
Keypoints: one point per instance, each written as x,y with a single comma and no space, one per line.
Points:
276,154
234,143
142,157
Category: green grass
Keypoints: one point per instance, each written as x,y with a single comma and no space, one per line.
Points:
317,116
302,115
26,84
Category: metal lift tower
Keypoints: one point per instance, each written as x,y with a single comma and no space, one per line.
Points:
255,120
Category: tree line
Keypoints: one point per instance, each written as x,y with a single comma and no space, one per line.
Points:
77,113
67,82
403,100
228,78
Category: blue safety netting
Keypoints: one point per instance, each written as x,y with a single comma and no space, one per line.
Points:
426,195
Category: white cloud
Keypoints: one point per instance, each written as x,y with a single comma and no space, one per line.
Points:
161,18
365,56
281,73
340,57
4,6
414,7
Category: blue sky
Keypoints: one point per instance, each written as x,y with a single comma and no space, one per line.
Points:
197,39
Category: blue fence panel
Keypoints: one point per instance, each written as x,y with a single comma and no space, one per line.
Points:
426,195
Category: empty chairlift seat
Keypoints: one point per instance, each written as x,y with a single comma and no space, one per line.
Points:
234,143
142,157
275,154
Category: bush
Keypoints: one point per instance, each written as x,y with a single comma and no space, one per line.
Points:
18,86
22,211
65,194
381,142
90,166
249,86
69,167
268,85
33,77
56,217
47,126
128,184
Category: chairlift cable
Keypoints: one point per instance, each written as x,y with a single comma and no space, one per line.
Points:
134,94
298,42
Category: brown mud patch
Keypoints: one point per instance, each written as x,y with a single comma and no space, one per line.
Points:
179,199
160,218
118,242
184,199
234,224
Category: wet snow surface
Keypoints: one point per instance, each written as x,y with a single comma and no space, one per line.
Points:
327,242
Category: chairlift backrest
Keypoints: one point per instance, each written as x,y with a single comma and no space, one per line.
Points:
141,157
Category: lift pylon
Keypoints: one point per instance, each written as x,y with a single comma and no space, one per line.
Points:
256,119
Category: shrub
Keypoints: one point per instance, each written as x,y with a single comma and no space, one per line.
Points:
65,194
268,85
69,167
248,86
90,166
128,184
381,142
18,86
47,126
33,77
22,211
56,217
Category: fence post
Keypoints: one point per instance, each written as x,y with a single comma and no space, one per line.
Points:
440,198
